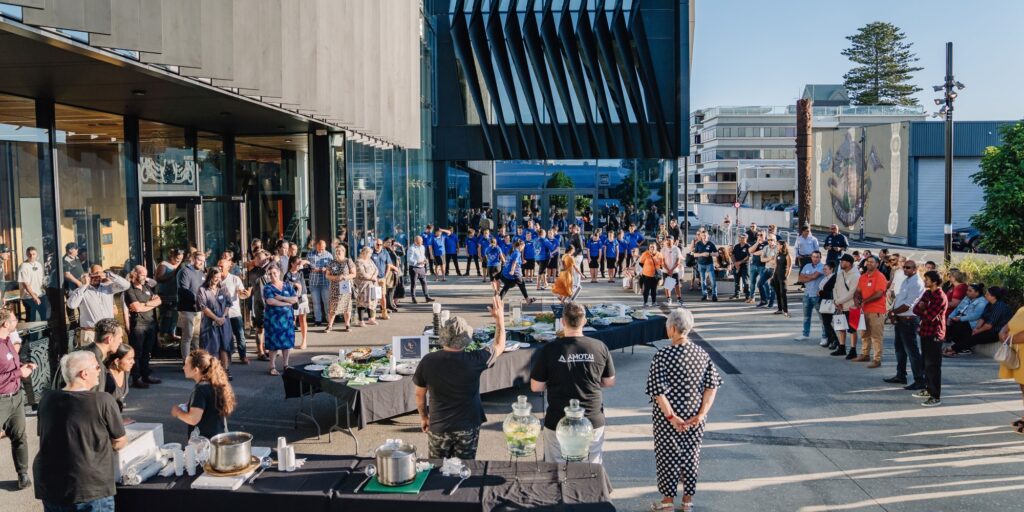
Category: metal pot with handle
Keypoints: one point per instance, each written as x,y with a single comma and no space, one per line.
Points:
230,451
396,463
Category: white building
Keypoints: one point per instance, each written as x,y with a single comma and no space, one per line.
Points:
748,153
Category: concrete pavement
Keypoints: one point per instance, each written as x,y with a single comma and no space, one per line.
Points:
792,428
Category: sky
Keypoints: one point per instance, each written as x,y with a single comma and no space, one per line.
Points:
762,52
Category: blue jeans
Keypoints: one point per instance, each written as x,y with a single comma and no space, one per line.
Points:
705,271
321,300
755,279
765,286
97,505
810,311
238,329
36,312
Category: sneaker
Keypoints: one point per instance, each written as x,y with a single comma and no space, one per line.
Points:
922,394
895,379
138,383
931,402
824,342
24,482
714,298
852,354
914,387
761,305
839,351
801,338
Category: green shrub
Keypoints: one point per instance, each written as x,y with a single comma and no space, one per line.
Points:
1009,274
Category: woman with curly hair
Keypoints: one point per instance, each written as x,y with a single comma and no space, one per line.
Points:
212,399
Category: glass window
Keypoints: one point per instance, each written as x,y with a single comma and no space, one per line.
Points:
271,172
166,159
340,194
90,168
457,194
20,201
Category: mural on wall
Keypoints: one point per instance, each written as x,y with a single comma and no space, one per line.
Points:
850,181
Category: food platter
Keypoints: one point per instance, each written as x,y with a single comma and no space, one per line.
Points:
543,327
315,367
387,377
545,337
324,359
620,320
405,369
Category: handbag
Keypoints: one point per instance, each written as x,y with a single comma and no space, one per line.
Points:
827,307
839,323
1006,355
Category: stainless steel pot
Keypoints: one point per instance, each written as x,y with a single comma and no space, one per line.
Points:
230,451
396,463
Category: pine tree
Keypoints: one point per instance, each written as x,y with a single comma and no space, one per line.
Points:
885,66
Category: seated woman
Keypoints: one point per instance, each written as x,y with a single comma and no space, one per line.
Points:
212,399
965,316
997,314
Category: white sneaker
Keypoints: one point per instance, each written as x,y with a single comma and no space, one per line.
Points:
801,338
823,342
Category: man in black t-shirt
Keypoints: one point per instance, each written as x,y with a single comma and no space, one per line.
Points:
705,251
452,376
740,267
141,302
573,367
79,431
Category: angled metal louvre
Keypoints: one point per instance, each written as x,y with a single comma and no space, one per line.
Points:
588,53
464,54
496,40
571,55
606,52
553,54
627,69
535,51
647,80
478,40
517,54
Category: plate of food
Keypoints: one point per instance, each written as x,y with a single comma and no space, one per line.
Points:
378,353
314,367
359,354
521,325
335,371
542,327
620,320
512,347
601,322
545,337
405,369
547,318
324,359
638,315
387,377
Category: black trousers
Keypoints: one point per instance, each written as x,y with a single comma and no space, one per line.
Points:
418,274
830,332
507,284
475,260
12,419
650,287
142,338
453,258
741,275
931,352
989,336
779,286
958,331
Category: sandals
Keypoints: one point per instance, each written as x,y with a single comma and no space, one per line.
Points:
274,372
660,505
263,357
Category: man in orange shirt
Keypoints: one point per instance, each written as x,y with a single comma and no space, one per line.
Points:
870,296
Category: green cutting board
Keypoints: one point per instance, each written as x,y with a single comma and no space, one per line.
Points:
411,488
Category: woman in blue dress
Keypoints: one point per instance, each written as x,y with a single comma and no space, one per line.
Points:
278,317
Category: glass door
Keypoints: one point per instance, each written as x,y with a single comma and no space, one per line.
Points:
171,223
225,227
364,218
583,210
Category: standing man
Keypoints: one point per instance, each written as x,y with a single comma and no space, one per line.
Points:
382,259
79,431
142,302
451,252
705,252
931,309
437,244
233,286
752,233
806,244
672,257
32,281
811,276
906,325
452,376
573,367
166,276
740,268
836,244
473,251
190,280
74,272
95,301
871,299
12,399
319,286
758,244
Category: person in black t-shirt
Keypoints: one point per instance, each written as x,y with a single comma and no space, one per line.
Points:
212,399
741,267
705,251
452,376
573,367
142,302
79,431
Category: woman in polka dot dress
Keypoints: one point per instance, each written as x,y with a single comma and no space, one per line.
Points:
682,384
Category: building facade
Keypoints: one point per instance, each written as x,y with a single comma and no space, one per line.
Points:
132,127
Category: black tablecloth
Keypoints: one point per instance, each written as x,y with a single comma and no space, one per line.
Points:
308,489
636,332
432,497
326,483
382,400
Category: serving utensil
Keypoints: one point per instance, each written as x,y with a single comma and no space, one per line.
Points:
265,463
464,474
370,472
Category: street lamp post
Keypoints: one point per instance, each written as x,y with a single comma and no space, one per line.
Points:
949,88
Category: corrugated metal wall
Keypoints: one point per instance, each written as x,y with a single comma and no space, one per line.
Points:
970,138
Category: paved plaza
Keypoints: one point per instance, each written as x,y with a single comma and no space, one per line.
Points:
792,428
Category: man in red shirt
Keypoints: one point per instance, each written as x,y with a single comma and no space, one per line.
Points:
870,296
12,399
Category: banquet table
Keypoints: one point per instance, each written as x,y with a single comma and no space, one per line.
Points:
382,400
328,483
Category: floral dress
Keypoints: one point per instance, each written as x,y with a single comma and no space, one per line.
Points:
681,373
278,321
341,291
366,279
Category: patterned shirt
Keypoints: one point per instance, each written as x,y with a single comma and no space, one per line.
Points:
319,260
931,309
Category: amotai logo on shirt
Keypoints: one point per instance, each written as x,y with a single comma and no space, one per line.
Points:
576,358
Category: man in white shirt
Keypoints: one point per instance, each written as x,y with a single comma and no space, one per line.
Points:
417,259
905,324
673,266
235,289
32,281
95,301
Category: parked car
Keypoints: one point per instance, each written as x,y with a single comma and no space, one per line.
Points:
967,239
688,219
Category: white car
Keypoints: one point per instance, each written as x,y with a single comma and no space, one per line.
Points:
688,220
